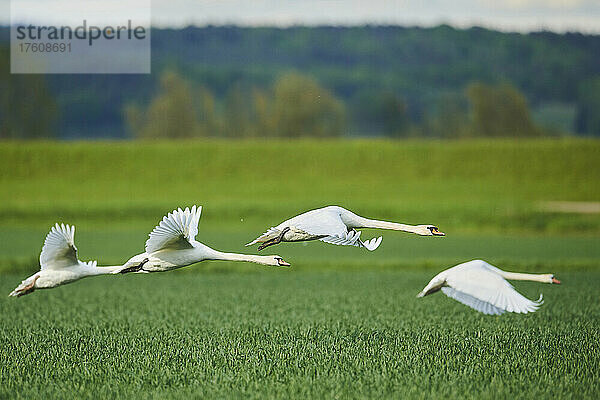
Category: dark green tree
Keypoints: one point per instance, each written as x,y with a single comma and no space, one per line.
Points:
499,110
588,107
450,119
171,114
238,117
208,123
381,111
301,107
27,108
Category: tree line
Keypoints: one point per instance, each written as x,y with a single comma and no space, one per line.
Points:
298,106
295,106
388,79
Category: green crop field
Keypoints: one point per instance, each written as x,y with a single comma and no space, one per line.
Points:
341,322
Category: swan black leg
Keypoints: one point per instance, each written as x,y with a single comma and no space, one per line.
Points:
135,268
276,240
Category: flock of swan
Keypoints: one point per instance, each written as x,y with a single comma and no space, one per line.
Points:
172,244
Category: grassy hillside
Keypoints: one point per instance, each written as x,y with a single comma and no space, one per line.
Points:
464,186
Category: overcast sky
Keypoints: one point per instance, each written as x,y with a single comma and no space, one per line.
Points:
508,15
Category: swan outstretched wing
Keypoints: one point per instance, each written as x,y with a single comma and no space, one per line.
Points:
372,244
176,230
352,238
485,291
59,249
473,302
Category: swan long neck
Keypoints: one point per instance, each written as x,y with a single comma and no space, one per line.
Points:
373,223
518,276
219,255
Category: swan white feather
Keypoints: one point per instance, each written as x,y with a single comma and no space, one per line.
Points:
334,225
172,244
177,230
483,287
59,248
471,301
59,263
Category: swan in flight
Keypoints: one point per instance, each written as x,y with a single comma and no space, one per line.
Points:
59,263
484,288
335,225
172,244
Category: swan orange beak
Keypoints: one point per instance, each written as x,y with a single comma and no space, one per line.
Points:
281,262
435,231
554,280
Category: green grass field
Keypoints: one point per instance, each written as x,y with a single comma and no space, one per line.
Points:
311,334
342,322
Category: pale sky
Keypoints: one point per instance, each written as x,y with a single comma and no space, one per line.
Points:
507,15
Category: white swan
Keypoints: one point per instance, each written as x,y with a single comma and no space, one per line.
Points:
335,225
172,244
484,288
59,263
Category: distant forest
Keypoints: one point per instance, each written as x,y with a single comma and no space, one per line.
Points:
375,80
